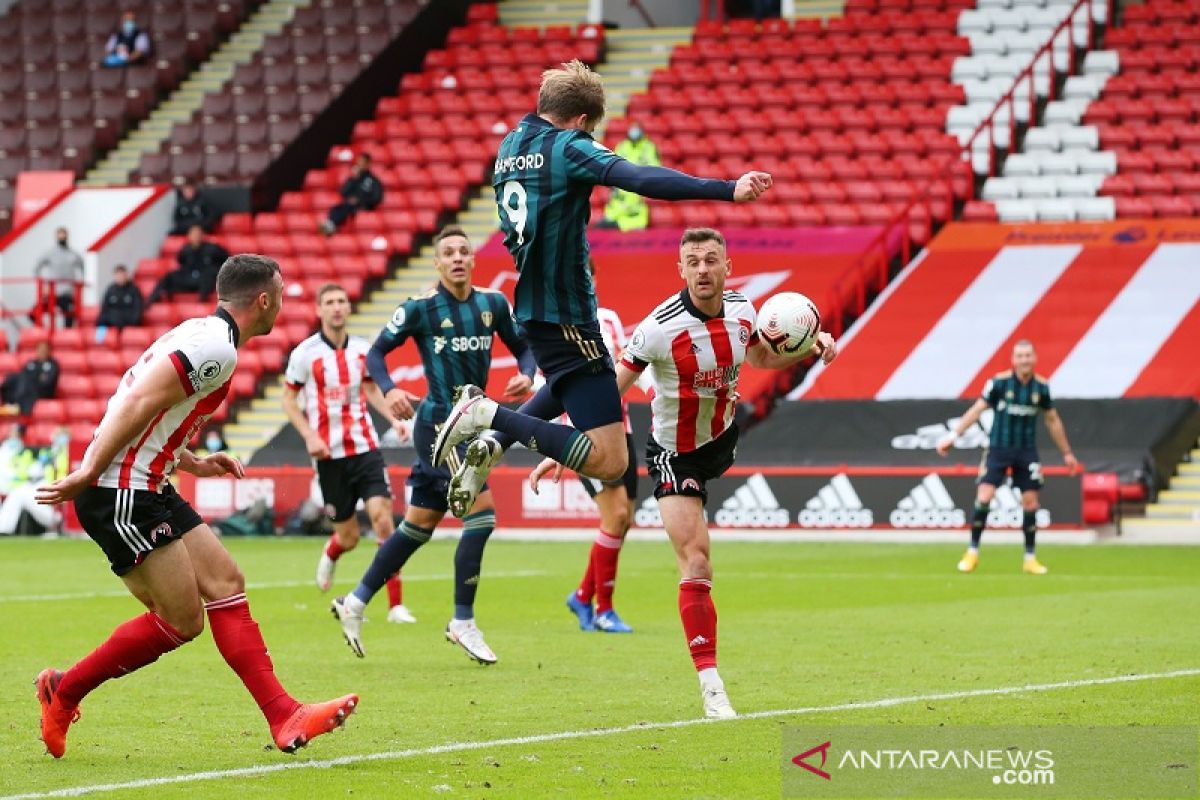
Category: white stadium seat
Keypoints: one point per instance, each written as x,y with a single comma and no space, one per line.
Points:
1065,112
968,68
971,21
1078,186
1042,139
1037,188
996,189
1102,62
1056,210
1101,163
1083,86
1021,165
1095,208
1079,137
1059,164
1016,211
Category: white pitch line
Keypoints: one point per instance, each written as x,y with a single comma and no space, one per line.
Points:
442,576
458,747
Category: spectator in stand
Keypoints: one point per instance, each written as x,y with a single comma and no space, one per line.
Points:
128,44
64,267
121,306
214,442
199,262
37,380
191,209
362,190
628,210
38,466
15,460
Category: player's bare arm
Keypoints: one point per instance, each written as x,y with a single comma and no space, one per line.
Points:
1059,434
400,403
379,403
312,443
967,420
759,355
155,390
213,465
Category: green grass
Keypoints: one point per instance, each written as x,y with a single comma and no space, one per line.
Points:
801,625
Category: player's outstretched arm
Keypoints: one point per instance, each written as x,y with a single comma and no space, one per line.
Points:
759,355
213,465
967,420
153,391
662,183
1059,434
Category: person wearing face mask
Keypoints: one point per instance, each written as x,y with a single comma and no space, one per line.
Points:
214,442
628,211
37,380
63,266
121,306
128,44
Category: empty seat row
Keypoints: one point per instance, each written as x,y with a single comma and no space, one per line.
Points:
1045,210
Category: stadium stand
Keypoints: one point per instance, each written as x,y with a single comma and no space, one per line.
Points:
251,103
60,109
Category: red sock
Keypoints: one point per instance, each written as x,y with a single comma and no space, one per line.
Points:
606,549
587,586
133,645
333,549
699,617
241,643
395,591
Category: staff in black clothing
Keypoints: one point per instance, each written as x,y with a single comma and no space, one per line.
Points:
191,209
199,262
37,380
121,306
362,190
128,44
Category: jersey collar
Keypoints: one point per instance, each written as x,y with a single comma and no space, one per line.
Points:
696,312
221,313
535,121
328,341
449,295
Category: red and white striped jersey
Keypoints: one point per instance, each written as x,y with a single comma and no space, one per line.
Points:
694,361
614,339
331,379
204,354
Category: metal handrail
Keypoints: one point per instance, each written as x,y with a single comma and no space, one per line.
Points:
877,251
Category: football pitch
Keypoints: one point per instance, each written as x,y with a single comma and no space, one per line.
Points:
848,634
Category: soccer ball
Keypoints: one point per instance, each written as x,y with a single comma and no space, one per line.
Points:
788,323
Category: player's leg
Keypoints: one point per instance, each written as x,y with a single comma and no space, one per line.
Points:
240,642
379,510
683,517
1027,477
334,477
615,502
991,473
468,562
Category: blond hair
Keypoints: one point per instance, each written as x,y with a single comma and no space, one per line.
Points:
571,90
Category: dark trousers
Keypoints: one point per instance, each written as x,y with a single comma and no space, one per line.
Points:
342,212
66,304
19,391
179,281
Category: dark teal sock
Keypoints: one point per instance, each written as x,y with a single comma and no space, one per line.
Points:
564,444
391,556
468,561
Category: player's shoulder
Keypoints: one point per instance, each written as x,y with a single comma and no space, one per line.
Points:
668,309
358,343
738,305
603,313
490,295
1003,375
1042,379
210,333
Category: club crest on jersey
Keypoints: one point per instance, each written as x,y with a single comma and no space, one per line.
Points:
743,335
690,483
486,318
163,530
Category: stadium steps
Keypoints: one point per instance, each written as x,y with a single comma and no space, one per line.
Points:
1178,506
184,101
257,424
630,59
540,13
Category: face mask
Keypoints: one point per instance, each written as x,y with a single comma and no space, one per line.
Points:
213,443
635,133
129,26
62,242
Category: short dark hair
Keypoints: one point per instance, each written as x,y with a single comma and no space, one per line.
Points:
244,277
330,287
121,267
448,231
194,226
698,235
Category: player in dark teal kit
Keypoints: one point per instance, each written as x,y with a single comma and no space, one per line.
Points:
1017,397
453,327
544,176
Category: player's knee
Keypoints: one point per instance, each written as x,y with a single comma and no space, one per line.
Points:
188,624
348,538
697,564
612,466
619,521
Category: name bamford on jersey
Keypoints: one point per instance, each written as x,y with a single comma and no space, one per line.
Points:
525,161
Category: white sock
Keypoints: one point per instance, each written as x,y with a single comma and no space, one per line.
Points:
709,679
354,605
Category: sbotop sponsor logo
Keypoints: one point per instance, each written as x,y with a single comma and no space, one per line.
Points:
753,505
927,505
836,505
